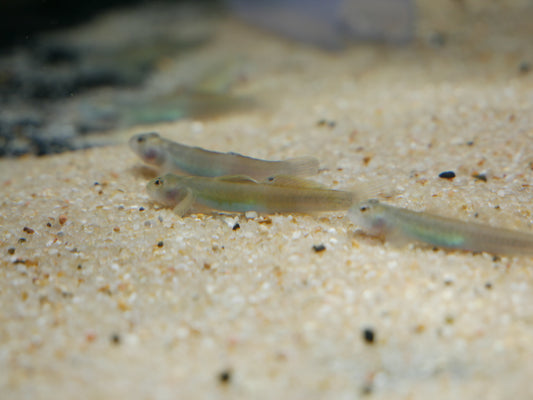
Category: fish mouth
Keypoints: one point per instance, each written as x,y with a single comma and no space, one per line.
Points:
150,155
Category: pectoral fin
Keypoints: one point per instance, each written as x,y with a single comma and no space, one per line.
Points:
236,179
293,181
302,166
185,203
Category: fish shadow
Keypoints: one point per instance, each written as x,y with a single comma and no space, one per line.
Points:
144,171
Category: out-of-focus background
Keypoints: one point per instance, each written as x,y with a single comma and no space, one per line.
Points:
71,69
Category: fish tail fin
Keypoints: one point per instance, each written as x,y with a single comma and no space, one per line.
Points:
374,189
301,166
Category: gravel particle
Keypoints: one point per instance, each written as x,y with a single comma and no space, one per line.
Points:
369,335
480,177
29,231
115,338
447,175
449,319
318,248
225,376
367,389
250,214
325,122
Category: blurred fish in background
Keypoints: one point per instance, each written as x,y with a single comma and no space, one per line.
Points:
62,86
207,96
331,24
59,87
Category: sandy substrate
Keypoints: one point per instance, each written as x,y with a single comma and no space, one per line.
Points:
104,293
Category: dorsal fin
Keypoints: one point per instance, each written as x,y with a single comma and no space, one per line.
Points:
236,179
293,181
232,153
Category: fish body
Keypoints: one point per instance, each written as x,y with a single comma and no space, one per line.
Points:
177,158
185,103
280,194
399,223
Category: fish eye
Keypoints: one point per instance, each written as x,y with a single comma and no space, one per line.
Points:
363,208
141,139
158,182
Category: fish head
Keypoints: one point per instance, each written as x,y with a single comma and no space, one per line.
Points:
369,216
168,189
149,147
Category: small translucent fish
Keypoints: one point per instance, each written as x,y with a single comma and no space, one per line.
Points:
241,193
178,158
401,224
220,77
185,103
